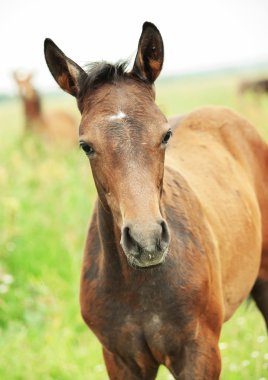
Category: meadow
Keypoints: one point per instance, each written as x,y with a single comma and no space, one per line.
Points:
46,198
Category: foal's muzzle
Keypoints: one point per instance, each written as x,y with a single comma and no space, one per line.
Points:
145,245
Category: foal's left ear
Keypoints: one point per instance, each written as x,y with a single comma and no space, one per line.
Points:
150,56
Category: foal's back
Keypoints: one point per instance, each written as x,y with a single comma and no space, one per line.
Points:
225,163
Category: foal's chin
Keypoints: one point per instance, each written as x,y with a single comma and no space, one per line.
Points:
147,262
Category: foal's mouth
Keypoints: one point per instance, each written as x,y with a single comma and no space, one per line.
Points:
146,260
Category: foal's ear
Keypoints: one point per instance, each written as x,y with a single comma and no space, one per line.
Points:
66,72
150,56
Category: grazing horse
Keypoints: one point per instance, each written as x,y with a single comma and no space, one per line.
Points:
255,86
179,233
55,125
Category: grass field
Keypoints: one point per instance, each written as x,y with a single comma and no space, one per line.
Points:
46,198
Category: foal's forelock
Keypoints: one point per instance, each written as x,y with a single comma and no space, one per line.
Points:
99,74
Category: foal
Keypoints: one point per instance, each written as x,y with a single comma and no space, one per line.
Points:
179,233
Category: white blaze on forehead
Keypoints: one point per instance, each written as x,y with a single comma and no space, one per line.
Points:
119,115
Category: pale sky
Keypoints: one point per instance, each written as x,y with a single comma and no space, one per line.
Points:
198,34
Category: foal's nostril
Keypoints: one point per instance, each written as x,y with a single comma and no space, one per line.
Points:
129,242
165,237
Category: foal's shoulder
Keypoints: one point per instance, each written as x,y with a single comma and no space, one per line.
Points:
221,122
204,117
223,126
211,117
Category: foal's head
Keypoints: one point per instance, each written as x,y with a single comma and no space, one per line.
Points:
124,135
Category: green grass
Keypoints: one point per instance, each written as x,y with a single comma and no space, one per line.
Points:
46,198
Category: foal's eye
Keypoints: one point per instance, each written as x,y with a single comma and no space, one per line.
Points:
87,148
166,137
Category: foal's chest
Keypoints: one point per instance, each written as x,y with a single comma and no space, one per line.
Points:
141,334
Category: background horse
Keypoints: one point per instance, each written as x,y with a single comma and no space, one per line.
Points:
54,125
256,87
259,86
179,235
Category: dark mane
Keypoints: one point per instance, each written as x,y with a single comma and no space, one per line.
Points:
99,73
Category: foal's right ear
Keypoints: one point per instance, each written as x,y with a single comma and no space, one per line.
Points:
66,72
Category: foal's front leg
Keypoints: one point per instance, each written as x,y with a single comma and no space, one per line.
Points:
198,360
118,370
